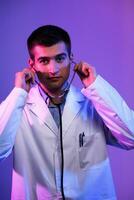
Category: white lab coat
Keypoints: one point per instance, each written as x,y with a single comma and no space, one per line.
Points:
28,128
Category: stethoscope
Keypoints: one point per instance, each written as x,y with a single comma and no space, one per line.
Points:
60,124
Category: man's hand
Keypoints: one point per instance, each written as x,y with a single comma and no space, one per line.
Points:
24,79
86,73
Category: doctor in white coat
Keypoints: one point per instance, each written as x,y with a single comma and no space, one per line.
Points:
58,134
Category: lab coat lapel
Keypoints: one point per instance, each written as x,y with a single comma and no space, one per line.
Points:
72,107
38,106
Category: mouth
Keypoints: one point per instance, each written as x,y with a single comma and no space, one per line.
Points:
54,78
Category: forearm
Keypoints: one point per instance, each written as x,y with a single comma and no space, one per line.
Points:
117,116
10,115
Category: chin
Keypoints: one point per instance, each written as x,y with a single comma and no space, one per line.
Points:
54,87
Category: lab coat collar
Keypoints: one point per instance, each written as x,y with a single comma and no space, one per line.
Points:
73,104
37,105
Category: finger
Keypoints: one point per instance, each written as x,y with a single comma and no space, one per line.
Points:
86,70
89,69
29,75
82,69
76,67
33,70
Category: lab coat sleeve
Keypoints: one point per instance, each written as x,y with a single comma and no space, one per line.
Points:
116,115
10,115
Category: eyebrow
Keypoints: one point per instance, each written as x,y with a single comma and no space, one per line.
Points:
46,57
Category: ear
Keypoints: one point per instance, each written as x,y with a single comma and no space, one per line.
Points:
71,57
31,63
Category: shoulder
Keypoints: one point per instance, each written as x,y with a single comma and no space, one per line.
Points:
34,95
75,94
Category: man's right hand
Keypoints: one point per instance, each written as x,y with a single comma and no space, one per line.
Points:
24,79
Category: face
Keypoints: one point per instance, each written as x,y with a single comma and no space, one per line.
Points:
52,66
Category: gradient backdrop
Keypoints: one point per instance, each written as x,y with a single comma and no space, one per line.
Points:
102,33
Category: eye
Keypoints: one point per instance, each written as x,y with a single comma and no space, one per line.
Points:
60,58
45,61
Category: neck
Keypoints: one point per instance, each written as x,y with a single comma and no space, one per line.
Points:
56,97
58,100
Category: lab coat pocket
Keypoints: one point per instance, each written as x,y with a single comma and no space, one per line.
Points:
82,157
84,151
92,150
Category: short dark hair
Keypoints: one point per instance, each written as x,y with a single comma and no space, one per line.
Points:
48,35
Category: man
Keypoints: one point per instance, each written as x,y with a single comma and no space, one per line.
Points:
57,133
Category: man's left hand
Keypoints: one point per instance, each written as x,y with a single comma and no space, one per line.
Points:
86,72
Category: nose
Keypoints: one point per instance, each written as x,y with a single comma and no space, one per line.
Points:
54,67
